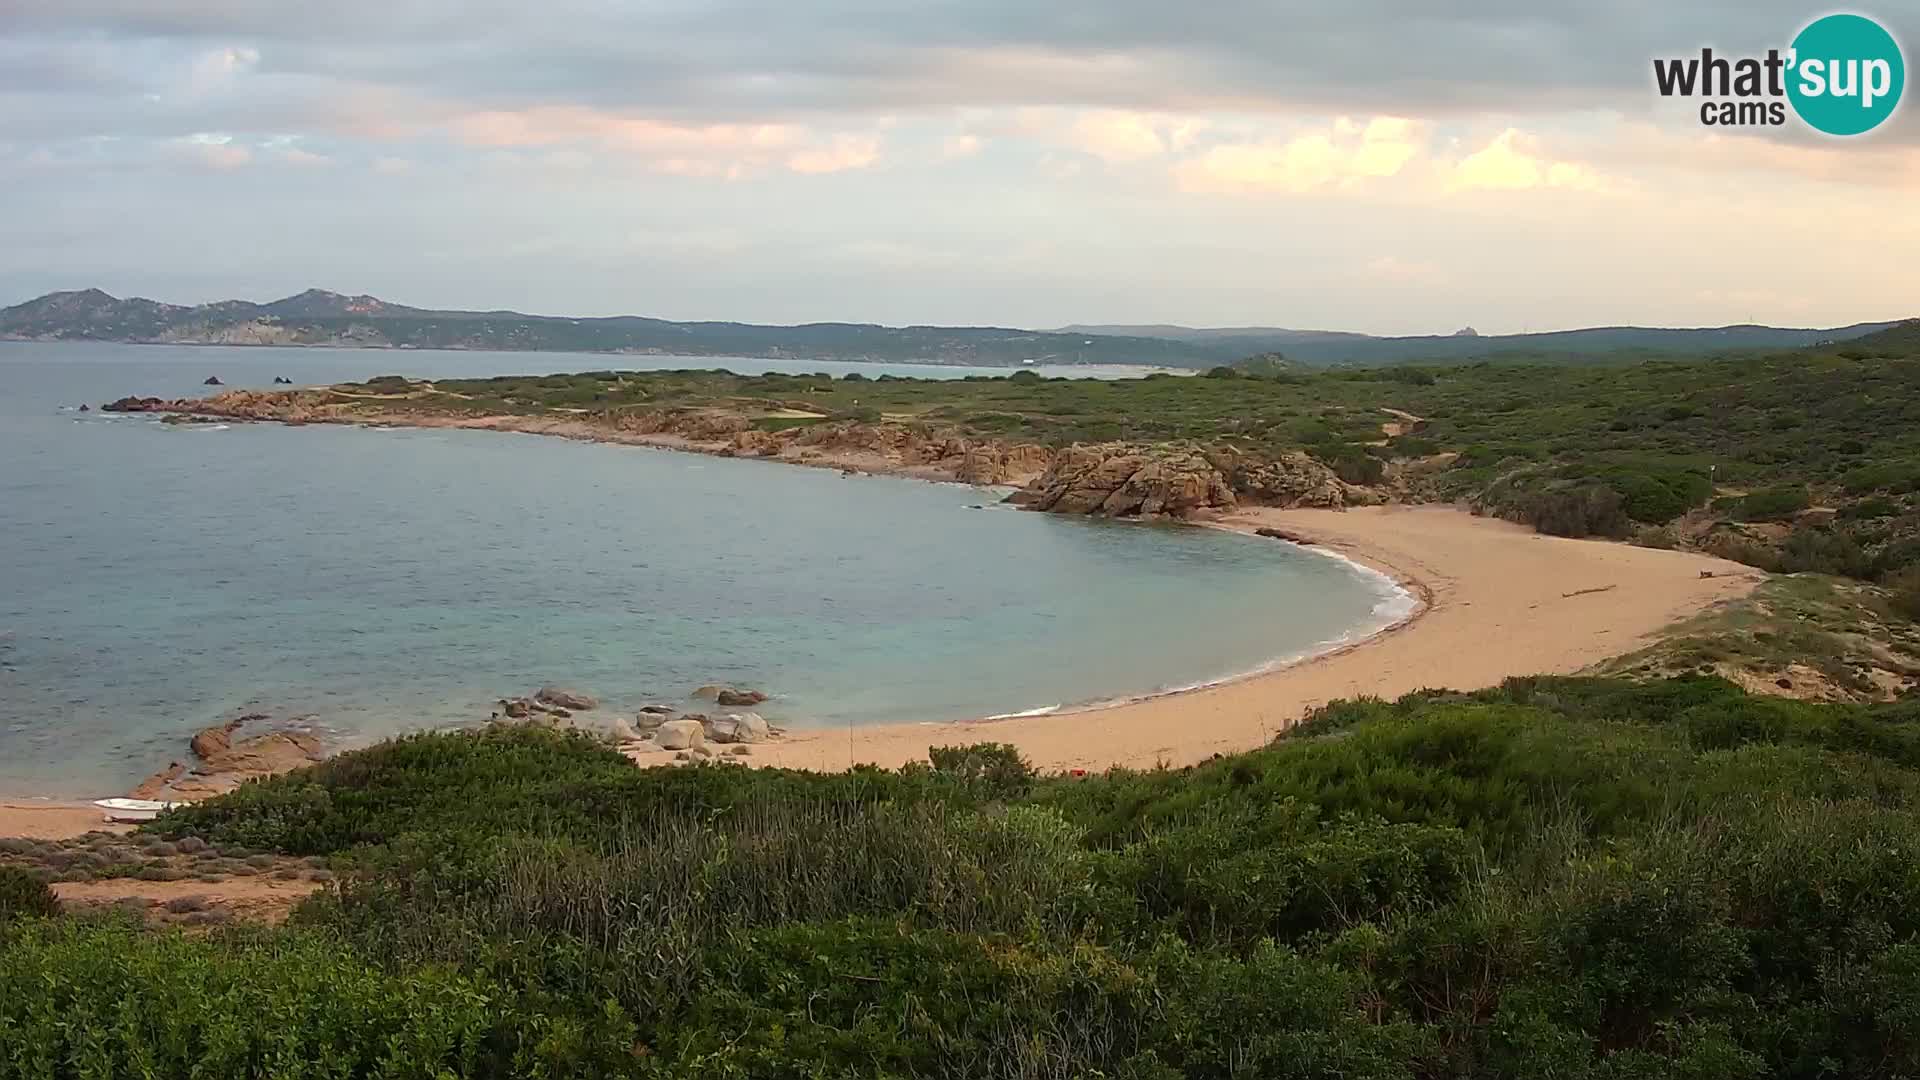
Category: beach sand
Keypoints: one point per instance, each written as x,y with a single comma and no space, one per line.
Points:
1499,600
45,819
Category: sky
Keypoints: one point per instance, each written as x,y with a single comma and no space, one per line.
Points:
1387,166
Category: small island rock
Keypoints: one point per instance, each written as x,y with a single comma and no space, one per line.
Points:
561,698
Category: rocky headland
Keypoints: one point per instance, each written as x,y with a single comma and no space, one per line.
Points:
1110,479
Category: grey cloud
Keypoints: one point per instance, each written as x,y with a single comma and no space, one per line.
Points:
749,59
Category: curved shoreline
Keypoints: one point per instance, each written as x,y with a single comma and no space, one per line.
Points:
1498,600
1409,588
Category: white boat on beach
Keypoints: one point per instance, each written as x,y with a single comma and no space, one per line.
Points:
132,809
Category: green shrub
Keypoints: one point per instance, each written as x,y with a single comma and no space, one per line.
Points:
103,1000
990,770
1772,504
24,895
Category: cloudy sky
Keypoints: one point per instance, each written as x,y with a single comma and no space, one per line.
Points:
1393,166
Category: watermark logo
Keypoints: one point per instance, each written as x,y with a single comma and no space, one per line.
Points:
1842,75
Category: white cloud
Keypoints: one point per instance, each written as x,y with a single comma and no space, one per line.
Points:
1113,135
1515,161
725,150
841,153
1343,155
213,150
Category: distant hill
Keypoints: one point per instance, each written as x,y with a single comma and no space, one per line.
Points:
318,317
1325,347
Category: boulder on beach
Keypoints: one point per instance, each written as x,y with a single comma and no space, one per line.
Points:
680,735
738,728
565,699
736,698
516,708
707,692
749,727
646,720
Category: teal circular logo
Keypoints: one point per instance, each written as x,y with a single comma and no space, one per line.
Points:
1846,74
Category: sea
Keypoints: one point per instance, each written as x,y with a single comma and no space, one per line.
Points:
365,582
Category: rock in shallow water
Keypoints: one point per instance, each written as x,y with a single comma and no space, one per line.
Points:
560,697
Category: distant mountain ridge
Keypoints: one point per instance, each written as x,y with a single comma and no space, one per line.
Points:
1340,347
319,317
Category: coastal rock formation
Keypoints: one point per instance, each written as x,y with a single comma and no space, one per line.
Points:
227,762
262,755
153,787
1110,479
679,735
1293,479
1134,480
562,698
212,380
211,742
1124,480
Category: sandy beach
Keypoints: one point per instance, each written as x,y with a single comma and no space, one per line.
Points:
46,819
1500,600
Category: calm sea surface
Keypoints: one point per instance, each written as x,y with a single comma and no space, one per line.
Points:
155,579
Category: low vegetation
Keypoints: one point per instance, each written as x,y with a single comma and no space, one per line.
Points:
1570,877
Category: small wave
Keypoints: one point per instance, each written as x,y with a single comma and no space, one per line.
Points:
1043,710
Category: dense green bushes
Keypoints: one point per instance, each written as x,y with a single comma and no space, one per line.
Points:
23,895
99,1001
1558,877
1772,504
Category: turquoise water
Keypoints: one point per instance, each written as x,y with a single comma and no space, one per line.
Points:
154,579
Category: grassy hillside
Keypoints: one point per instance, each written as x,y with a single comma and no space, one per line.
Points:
1561,877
